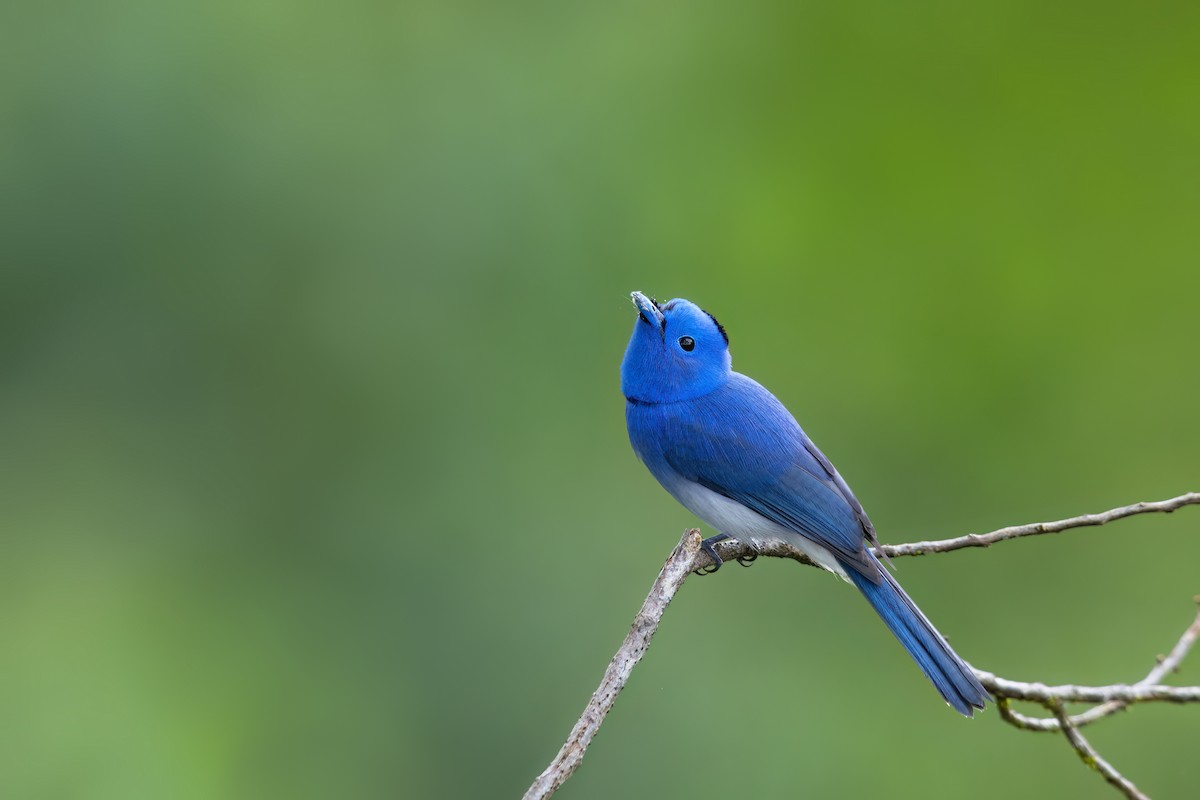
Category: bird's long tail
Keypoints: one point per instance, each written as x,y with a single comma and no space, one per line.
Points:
949,673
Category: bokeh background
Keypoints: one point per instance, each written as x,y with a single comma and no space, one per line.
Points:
315,478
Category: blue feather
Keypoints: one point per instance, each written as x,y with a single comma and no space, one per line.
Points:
727,449
953,679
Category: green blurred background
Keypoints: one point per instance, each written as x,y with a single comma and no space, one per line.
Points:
315,474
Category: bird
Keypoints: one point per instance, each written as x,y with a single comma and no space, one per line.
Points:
732,454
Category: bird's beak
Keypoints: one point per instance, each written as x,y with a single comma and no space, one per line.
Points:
647,309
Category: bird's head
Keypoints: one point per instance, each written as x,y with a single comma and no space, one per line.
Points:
677,351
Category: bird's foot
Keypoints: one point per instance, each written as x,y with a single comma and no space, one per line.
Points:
707,546
746,561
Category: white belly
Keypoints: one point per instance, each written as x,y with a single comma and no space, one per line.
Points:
733,518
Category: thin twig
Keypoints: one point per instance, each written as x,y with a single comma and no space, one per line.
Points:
732,549
1017,531
670,578
1090,757
1119,692
1162,668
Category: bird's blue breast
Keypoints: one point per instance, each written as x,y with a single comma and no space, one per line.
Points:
739,432
740,442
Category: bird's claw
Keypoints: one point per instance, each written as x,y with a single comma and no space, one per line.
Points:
707,546
746,561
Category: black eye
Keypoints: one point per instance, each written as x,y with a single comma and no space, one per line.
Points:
687,343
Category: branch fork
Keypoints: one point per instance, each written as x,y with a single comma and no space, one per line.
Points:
688,557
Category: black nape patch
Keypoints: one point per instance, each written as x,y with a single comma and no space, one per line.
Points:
720,327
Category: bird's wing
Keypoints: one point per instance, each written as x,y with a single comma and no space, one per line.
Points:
742,443
843,488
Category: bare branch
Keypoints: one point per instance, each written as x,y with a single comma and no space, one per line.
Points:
1112,699
1037,528
1090,757
1004,706
1125,693
1164,667
732,549
670,578
1168,664
687,558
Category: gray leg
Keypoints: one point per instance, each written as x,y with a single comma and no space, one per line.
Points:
707,546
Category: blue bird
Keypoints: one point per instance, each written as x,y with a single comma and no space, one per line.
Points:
726,449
